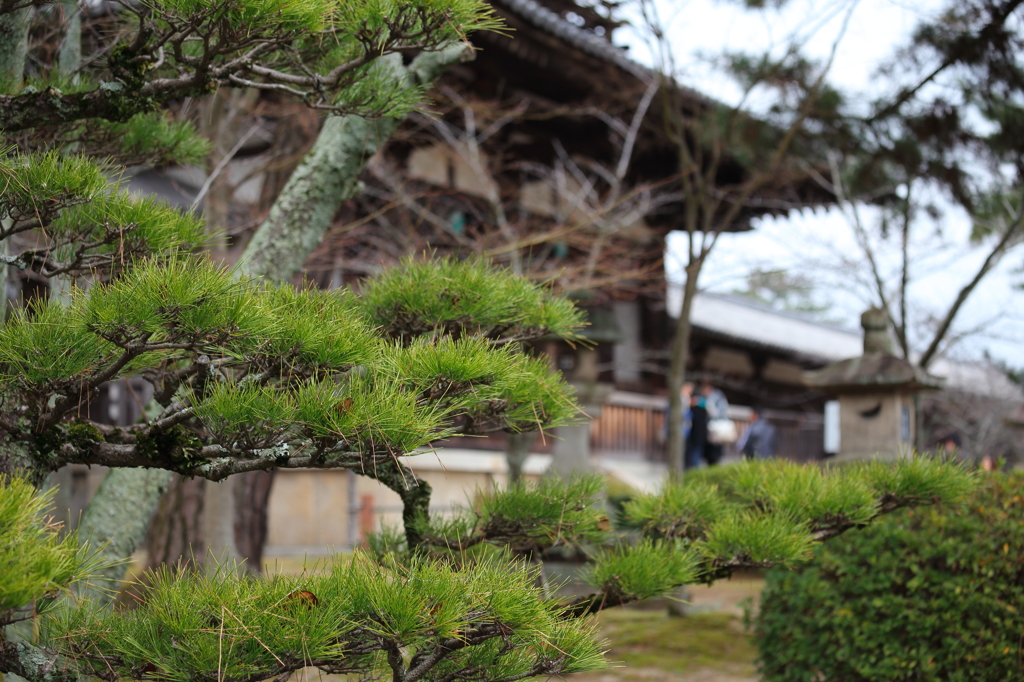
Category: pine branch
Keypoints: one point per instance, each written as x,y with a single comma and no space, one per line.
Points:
31,663
249,58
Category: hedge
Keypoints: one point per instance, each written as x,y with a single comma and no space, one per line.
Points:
925,594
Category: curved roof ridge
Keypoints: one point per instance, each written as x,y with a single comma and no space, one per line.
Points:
800,315
549,21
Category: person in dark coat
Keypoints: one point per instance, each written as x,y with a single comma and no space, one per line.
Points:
759,440
697,440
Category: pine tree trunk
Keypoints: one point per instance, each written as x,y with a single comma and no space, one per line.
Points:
516,452
14,43
177,525
13,52
117,519
252,500
329,176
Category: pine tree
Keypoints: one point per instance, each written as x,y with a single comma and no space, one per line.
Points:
357,55
251,373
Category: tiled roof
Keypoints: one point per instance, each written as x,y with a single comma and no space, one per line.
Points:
585,41
589,43
751,324
747,321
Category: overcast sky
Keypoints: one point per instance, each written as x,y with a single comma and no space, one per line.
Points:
809,242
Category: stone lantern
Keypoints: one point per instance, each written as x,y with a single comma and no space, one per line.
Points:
876,395
572,443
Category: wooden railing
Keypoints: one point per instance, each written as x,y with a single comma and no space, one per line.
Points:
630,426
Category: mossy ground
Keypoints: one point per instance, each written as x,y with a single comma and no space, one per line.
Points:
708,646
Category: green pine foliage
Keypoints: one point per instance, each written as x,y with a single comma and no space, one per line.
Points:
468,601
255,367
375,88
651,568
324,52
44,346
262,368
255,15
37,186
148,138
769,512
121,227
753,539
36,562
317,331
679,511
440,297
248,417
808,493
542,397
498,387
250,376
449,370
485,621
544,514
186,302
369,418
923,594
445,607
919,480
81,223
524,517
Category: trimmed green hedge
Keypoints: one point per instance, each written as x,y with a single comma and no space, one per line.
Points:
925,594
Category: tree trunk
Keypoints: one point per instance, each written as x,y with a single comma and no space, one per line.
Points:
116,521
218,524
252,500
678,359
679,604
329,176
177,524
14,44
69,57
13,52
516,452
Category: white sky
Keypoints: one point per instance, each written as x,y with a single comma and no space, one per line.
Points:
809,242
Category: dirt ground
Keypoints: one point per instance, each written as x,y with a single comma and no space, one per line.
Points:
727,596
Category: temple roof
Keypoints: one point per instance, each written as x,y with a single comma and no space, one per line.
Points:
585,41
